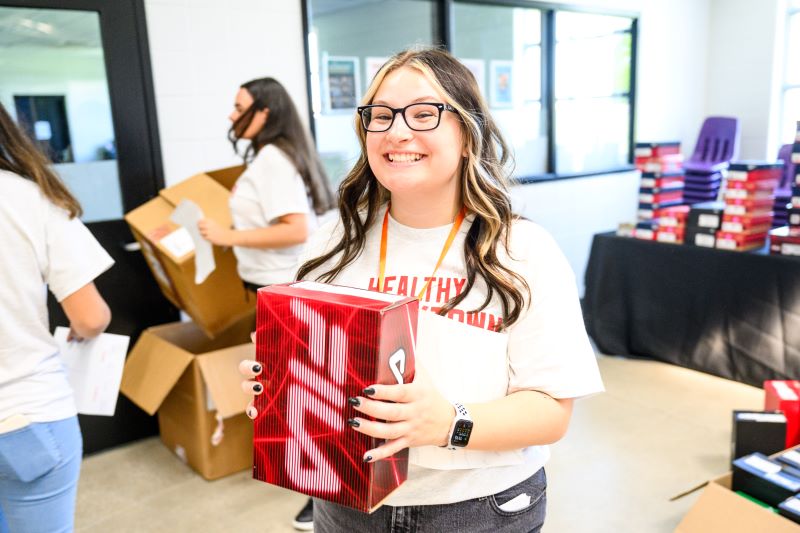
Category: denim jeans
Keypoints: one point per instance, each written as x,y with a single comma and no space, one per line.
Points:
470,516
39,469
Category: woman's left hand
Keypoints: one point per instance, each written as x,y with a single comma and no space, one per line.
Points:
413,414
214,233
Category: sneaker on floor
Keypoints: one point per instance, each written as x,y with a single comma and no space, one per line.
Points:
304,521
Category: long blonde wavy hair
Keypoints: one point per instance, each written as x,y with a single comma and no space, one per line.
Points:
484,187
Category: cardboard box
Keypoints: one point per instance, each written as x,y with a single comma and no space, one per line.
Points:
220,300
720,510
319,345
193,382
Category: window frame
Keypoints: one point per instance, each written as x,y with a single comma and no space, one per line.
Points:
445,13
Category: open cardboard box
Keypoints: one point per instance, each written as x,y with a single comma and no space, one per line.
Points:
720,510
220,300
194,384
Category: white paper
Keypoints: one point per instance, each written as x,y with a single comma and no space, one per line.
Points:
94,370
188,214
516,504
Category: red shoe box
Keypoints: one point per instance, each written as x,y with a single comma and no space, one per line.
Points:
320,344
663,164
741,223
660,198
784,396
761,185
665,215
656,149
749,207
741,194
662,180
755,171
740,241
784,241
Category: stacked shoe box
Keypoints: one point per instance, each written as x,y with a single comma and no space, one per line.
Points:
785,240
703,223
749,198
660,190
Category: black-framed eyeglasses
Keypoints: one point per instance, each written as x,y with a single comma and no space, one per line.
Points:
424,116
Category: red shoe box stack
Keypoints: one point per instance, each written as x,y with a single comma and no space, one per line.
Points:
749,198
660,190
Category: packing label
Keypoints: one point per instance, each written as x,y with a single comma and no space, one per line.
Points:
178,243
708,221
788,248
701,239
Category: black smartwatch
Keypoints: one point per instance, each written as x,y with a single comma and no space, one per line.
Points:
461,429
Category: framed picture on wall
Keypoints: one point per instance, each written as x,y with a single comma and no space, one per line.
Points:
478,69
501,83
371,67
340,83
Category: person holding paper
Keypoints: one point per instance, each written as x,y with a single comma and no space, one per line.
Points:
45,245
276,201
502,351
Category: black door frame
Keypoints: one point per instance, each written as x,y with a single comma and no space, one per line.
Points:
130,83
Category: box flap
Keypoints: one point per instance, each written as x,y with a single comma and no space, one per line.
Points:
205,192
152,368
220,371
227,176
719,510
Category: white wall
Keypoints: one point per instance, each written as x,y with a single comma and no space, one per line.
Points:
743,78
692,54
201,52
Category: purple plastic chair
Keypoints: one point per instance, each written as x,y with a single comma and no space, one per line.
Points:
785,153
717,145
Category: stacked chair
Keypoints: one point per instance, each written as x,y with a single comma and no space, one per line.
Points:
717,145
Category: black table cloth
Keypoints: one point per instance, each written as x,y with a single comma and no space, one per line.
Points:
731,314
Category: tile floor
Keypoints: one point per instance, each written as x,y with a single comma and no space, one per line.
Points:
657,431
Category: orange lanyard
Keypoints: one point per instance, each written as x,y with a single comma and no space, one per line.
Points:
385,237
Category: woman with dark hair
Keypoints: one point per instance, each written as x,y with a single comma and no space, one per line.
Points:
44,246
502,351
276,201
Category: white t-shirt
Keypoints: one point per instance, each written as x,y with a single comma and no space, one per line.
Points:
270,188
546,350
42,247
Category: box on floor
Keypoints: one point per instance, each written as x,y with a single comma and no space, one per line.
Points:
220,299
193,382
721,510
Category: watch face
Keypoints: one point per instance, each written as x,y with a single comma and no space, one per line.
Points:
461,433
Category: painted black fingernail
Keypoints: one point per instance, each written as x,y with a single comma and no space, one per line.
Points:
251,412
355,402
367,458
256,368
257,387
353,422
369,391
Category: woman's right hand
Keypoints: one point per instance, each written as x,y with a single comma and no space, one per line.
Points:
251,369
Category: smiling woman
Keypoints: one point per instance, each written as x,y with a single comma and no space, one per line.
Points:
502,351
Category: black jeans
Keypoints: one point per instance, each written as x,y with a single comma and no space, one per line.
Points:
474,516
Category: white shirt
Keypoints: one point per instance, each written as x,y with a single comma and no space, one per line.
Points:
546,350
42,247
270,188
